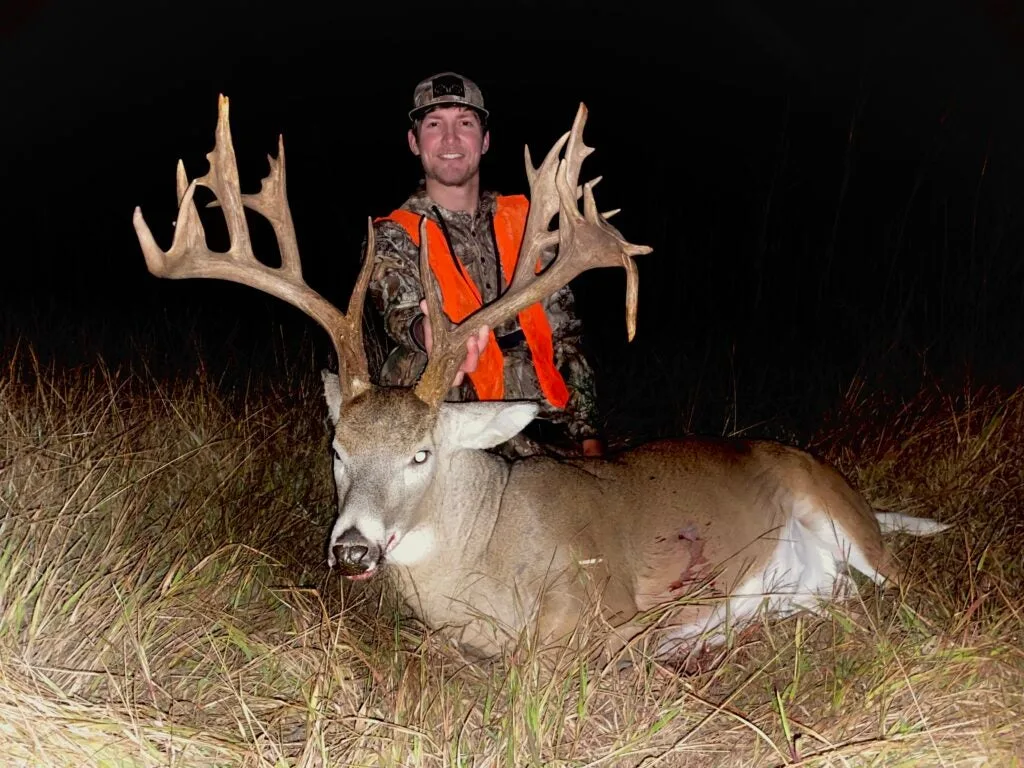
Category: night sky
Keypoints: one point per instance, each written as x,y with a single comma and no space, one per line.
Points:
819,180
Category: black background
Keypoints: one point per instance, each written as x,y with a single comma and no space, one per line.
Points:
826,185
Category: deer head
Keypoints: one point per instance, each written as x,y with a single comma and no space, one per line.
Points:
393,446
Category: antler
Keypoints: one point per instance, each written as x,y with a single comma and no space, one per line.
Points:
190,256
585,241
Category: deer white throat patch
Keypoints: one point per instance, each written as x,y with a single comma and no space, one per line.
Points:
416,545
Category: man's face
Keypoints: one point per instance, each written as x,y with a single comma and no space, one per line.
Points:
450,144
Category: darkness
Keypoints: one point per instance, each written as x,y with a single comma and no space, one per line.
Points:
830,187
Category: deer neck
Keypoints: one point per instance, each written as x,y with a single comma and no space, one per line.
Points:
461,509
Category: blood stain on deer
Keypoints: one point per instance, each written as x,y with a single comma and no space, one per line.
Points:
693,548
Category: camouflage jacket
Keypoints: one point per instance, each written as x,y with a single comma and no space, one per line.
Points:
396,291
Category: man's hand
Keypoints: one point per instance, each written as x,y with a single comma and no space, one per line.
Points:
593,446
474,346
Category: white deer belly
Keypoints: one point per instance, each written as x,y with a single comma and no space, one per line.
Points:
805,567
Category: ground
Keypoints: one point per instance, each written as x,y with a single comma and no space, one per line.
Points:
165,601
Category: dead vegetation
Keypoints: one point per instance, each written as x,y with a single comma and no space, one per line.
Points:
164,601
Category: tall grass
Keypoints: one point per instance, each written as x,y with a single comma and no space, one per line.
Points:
164,600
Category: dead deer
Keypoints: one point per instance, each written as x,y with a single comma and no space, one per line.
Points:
484,548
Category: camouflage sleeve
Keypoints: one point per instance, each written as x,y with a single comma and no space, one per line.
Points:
395,282
566,332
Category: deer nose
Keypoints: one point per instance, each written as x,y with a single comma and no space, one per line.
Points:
354,553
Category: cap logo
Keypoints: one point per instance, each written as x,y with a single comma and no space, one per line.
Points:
448,85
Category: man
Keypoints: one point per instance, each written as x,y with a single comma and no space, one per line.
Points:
539,356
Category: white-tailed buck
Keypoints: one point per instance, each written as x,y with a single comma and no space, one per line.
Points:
484,548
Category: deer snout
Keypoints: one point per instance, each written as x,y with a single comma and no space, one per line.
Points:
355,554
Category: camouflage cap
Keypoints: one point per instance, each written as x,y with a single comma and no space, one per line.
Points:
446,88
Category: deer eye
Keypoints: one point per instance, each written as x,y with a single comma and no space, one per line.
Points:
335,455
420,456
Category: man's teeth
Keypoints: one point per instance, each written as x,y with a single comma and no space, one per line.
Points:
450,156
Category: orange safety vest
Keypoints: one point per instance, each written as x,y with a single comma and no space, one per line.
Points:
461,297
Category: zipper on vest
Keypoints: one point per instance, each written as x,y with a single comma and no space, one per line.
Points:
448,239
499,281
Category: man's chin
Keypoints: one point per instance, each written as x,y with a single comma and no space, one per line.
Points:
460,179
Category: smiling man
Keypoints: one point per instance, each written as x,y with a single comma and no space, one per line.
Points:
473,238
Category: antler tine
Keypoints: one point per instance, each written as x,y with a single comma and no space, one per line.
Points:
445,357
272,203
190,256
576,151
543,206
594,239
352,351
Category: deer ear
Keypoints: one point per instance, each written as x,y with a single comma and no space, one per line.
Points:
485,425
332,394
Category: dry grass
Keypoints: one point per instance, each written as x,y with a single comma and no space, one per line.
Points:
163,601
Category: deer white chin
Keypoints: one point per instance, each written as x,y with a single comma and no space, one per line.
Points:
411,548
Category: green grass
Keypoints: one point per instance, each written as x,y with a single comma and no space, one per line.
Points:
164,601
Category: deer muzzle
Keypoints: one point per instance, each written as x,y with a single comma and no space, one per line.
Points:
356,555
